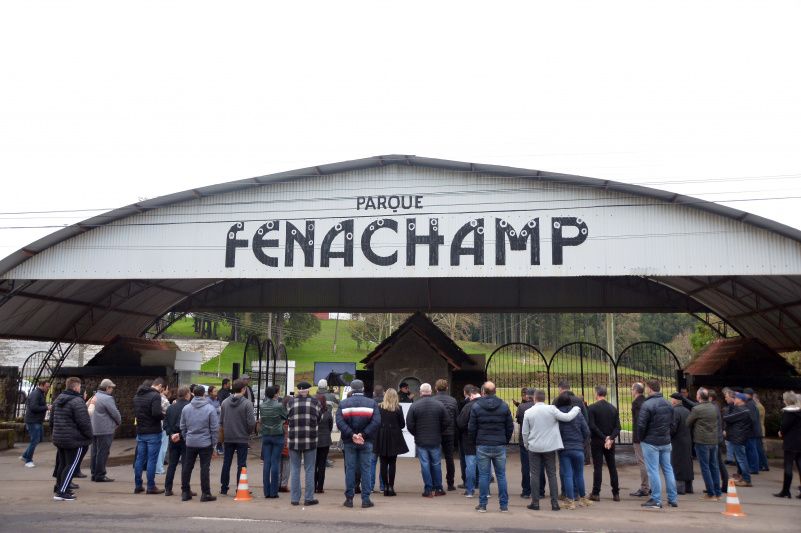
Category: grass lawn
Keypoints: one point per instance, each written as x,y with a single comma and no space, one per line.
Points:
185,327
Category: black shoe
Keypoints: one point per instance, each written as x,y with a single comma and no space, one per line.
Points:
651,504
168,492
451,488
525,495
64,497
461,486
440,492
481,508
348,502
223,493
295,503
208,498
139,490
673,504
533,506
594,498
640,493
428,494
186,496
391,491
79,475
616,497
104,479
155,490
555,506
73,486
310,502
367,504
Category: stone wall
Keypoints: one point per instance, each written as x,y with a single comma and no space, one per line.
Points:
9,376
410,356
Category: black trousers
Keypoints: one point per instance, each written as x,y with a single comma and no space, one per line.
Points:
724,473
790,458
539,462
462,463
599,455
175,453
448,444
189,465
319,467
388,470
68,460
101,446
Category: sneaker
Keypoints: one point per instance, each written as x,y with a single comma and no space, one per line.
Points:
584,502
440,492
673,504
742,483
562,498
640,493
481,508
504,509
21,458
428,494
30,464
469,495
64,497
569,505
311,502
651,504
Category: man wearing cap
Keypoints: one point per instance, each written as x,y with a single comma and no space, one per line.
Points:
754,444
105,420
738,431
358,421
303,416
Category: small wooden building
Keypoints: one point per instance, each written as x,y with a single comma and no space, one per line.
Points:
419,352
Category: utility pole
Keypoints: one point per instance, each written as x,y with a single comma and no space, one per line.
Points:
610,347
336,328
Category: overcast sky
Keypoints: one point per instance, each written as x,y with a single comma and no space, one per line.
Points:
105,103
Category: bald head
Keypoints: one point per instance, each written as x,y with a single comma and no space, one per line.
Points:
488,389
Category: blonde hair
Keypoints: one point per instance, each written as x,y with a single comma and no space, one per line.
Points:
390,402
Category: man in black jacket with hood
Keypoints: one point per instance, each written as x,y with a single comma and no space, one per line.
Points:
72,433
147,410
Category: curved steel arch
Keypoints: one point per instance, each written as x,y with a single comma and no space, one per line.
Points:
647,343
587,366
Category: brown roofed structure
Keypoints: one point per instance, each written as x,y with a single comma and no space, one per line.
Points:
739,357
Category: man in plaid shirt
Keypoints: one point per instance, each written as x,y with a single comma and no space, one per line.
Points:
303,417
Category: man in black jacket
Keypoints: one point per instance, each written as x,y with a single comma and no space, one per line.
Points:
427,420
739,428
177,445
491,427
654,425
604,429
72,433
637,390
449,436
525,469
147,410
467,445
35,409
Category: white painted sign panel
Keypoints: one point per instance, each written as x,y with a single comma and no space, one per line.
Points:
416,222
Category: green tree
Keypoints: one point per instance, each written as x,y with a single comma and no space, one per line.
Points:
299,327
664,327
702,336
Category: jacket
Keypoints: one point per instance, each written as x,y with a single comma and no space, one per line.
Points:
541,427
358,414
574,433
272,415
237,419
106,417
703,422
199,423
739,426
172,422
35,407
427,420
636,405
490,422
604,420
303,417
147,410
390,441
72,427
791,429
223,394
655,420
452,408
324,429
467,443
756,425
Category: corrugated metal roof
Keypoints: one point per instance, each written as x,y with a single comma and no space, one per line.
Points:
767,306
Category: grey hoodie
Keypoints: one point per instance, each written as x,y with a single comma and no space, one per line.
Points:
199,423
237,419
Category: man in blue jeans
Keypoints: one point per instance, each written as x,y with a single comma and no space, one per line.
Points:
428,420
738,430
466,444
703,422
148,413
491,427
358,421
653,428
35,409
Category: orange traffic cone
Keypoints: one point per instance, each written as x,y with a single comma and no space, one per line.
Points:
733,502
242,490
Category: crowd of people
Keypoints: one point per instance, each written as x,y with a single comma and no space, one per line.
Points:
556,440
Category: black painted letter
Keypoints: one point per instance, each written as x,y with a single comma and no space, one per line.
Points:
558,241
434,240
476,227
306,242
259,242
346,227
232,243
367,247
517,239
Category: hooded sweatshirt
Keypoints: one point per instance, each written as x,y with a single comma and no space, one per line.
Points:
490,422
147,410
199,423
237,419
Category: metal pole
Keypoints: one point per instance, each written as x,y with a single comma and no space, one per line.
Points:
336,328
610,347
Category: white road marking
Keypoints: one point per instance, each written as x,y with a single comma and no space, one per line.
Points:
224,519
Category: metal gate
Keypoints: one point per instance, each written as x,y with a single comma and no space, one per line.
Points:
269,364
583,365
636,363
514,366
